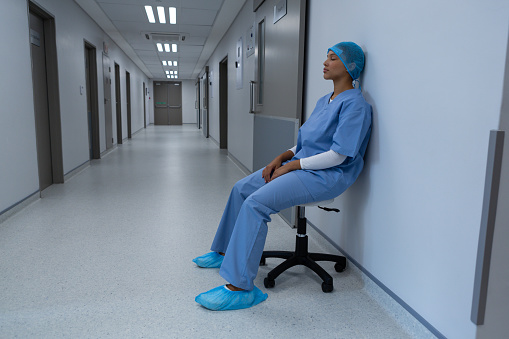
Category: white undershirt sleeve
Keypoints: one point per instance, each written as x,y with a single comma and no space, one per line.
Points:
293,149
323,160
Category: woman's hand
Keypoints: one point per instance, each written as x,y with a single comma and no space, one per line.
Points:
275,165
288,167
272,167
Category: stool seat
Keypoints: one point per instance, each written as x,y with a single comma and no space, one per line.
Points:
318,203
301,256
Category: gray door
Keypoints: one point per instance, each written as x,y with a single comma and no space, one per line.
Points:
168,103
108,120
204,102
277,97
39,80
197,105
278,78
175,103
161,104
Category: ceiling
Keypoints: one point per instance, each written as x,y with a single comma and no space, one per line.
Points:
202,23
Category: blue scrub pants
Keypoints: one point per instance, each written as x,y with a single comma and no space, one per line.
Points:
243,228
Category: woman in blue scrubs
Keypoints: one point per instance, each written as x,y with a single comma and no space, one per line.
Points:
327,159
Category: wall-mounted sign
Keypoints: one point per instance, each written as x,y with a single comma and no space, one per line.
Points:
279,10
35,38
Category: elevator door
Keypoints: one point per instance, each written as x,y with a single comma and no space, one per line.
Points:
168,103
39,80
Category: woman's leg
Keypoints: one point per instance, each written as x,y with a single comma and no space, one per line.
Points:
247,239
242,189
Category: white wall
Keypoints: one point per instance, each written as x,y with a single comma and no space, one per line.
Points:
497,306
188,101
240,122
434,74
18,168
19,175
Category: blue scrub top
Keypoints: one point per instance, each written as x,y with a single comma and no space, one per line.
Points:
344,126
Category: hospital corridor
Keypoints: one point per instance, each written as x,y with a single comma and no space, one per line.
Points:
254,169
109,254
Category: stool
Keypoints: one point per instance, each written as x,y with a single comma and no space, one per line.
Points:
301,256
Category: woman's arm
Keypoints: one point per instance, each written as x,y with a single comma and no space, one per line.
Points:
270,169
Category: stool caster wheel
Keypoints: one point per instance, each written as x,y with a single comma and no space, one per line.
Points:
326,288
269,283
340,266
262,262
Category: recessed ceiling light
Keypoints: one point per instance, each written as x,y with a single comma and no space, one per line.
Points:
167,72
173,15
159,47
160,13
174,48
164,63
150,14
174,63
167,47
168,76
169,63
171,72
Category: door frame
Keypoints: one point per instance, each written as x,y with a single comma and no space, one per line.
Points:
57,162
144,96
92,91
118,104
223,103
128,100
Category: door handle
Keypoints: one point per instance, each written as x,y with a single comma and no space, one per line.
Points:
252,85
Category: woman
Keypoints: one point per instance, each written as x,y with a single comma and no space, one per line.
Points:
327,159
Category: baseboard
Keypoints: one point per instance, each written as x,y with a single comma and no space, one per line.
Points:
406,316
76,170
243,168
10,211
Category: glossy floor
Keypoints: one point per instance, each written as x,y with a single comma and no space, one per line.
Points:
108,254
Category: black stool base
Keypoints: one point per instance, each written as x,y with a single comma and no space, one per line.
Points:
301,256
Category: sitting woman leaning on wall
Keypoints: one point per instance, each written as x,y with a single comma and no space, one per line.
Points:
327,159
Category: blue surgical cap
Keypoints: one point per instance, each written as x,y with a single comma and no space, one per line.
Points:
352,57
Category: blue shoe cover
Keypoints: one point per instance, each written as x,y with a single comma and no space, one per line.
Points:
209,260
222,299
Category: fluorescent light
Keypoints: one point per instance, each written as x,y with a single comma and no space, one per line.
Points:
171,72
173,15
159,47
174,48
174,63
169,63
160,13
176,72
150,14
173,77
164,63
167,47
176,77
168,76
167,72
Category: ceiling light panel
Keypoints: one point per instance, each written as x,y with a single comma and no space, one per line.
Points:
173,15
150,14
161,14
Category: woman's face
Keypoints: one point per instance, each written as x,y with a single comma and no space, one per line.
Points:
333,67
